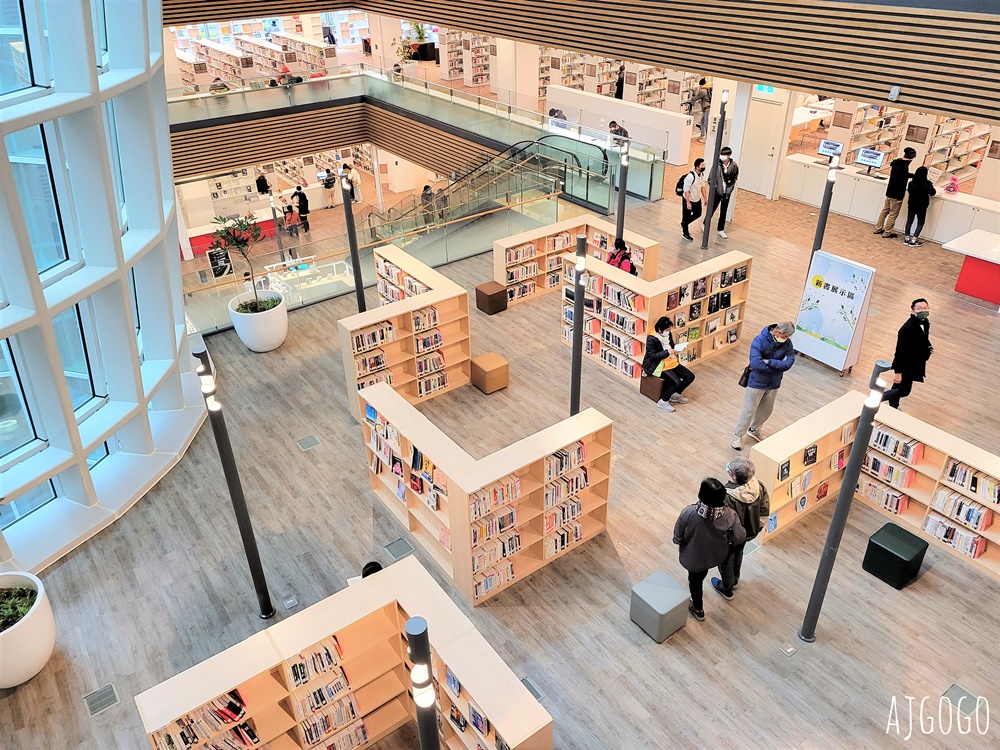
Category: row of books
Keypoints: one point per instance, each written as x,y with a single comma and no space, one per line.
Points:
432,384
974,481
563,537
353,737
520,252
373,337
322,658
624,322
428,340
370,362
321,697
502,492
553,279
564,487
520,291
905,449
959,507
432,362
389,271
625,344
388,292
561,241
424,318
563,514
385,376
204,722
522,272
695,290
491,579
490,527
892,500
414,287
320,725
960,538
898,476
621,363
495,550
564,460
624,298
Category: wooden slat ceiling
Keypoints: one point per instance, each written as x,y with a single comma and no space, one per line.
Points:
943,62
211,149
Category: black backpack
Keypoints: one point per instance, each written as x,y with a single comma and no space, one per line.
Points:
679,189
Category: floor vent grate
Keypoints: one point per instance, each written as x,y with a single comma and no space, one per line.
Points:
399,549
532,688
307,443
956,693
101,699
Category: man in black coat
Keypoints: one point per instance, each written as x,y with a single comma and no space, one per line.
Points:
301,203
913,349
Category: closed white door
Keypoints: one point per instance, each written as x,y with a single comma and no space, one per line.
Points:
763,146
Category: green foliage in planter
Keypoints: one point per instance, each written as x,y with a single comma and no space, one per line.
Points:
14,605
239,235
258,305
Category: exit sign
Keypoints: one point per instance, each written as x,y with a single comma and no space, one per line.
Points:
765,89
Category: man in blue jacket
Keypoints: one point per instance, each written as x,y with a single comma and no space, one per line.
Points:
771,353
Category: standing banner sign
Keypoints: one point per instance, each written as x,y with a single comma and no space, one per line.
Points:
831,320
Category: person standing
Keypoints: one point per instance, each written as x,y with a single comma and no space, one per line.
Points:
705,531
726,176
660,360
427,204
621,257
301,202
331,187
913,349
355,177
771,354
920,191
263,187
701,105
895,191
620,83
618,133
695,191
749,500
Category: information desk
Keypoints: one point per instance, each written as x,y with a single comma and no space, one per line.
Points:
980,274
861,196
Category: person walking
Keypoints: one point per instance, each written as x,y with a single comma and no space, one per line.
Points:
330,186
771,355
301,202
701,106
427,205
895,191
705,532
620,83
660,360
749,500
695,191
263,187
920,191
725,183
913,349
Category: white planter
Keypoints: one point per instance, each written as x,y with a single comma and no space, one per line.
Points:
26,647
264,331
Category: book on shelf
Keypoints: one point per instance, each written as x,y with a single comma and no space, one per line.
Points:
625,322
452,682
491,497
444,537
478,719
322,659
620,342
673,299
898,476
432,384
424,318
739,274
718,342
700,288
493,551
965,541
839,459
772,523
624,298
520,252
801,503
428,340
727,278
731,336
684,293
713,304
562,488
847,433
904,449
711,326
693,333
401,490
784,470
562,537
962,509
430,363
716,282
318,698
489,527
725,300
809,455
372,337
978,483
822,491
732,316
680,320
800,484
564,460
694,312
491,579
369,362
332,719
892,500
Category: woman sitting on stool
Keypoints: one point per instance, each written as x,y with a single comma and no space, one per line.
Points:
660,360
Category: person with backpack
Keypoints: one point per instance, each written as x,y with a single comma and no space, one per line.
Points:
920,189
301,202
692,189
660,361
705,532
749,500
726,176
621,257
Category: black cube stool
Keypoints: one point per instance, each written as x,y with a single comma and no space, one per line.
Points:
894,555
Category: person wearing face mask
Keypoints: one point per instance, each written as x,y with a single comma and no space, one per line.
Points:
771,354
695,190
913,349
660,360
749,500
618,133
725,183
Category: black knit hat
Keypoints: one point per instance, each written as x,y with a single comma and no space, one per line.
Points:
712,493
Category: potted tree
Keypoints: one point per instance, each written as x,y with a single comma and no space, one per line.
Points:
27,628
260,317
405,51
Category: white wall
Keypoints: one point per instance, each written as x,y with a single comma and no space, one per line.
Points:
404,175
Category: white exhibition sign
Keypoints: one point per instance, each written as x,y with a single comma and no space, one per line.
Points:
831,319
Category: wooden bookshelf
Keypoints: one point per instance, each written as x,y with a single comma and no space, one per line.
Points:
358,635
193,70
880,127
268,58
419,359
452,65
225,62
476,58
529,263
914,487
482,540
622,309
312,56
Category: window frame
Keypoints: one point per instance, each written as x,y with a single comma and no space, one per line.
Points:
51,482
134,301
35,41
99,22
114,157
37,443
90,343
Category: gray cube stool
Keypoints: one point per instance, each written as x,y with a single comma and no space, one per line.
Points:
659,605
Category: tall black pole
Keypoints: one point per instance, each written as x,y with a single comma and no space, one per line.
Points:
847,487
579,290
824,209
419,650
352,239
222,442
720,133
622,192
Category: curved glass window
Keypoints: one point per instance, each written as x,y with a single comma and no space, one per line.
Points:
22,505
68,327
16,427
15,69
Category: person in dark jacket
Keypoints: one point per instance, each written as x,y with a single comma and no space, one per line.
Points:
913,349
749,500
705,532
726,175
263,187
618,133
895,191
620,83
301,203
330,188
660,360
920,189
771,354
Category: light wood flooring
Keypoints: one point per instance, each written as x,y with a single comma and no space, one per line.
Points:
167,586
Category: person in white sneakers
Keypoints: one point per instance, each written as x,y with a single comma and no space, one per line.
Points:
771,354
660,360
726,176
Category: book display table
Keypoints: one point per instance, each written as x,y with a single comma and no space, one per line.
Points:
980,274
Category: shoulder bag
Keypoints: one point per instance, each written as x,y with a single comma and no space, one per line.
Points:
744,380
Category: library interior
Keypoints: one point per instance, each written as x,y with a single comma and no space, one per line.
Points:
455,380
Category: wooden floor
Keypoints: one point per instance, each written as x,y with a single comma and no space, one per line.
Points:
167,586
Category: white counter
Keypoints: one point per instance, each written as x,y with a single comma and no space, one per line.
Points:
861,197
314,192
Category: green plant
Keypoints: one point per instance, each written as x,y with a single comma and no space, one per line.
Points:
14,605
404,48
239,235
417,32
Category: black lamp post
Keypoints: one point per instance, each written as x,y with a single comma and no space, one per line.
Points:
423,688
352,240
579,290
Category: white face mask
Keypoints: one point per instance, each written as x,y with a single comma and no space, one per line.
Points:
724,158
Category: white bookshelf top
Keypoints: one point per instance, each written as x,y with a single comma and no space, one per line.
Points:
413,267
260,43
799,435
223,48
300,39
186,57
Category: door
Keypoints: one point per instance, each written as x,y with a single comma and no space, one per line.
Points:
763,146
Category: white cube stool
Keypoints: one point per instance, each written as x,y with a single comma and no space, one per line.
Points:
659,605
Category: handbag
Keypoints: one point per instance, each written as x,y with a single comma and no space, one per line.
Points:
744,380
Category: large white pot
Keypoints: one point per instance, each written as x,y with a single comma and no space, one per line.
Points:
26,647
263,331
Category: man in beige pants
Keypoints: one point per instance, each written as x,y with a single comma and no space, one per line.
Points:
895,191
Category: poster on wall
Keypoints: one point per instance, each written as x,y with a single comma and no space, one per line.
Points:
220,262
831,319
